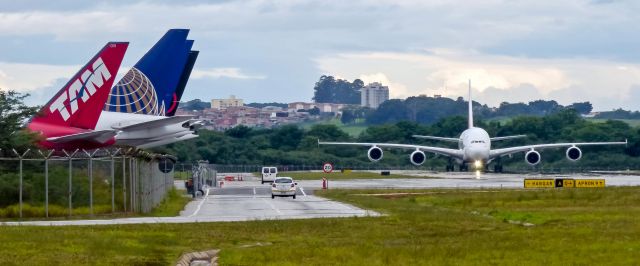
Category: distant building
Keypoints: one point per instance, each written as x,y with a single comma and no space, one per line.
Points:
373,95
323,107
226,103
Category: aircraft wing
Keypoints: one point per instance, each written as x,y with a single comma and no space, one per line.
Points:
100,136
156,123
436,138
508,151
442,151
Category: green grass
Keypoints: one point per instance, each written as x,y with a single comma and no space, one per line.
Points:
342,176
353,130
172,204
451,227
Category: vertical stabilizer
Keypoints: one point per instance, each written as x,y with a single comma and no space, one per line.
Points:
186,72
470,107
149,87
79,103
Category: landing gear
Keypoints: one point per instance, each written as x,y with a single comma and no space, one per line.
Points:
497,168
450,167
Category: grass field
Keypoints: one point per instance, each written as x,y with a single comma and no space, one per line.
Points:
341,176
353,130
453,227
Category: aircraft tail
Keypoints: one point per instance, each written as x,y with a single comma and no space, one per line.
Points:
184,78
79,102
470,107
149,86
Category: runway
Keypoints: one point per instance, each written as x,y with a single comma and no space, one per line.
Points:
235,204
444,180
249,200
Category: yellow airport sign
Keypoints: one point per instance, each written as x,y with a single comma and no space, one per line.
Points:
565,182
590,183
539,183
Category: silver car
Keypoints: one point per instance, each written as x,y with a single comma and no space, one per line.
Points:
283,187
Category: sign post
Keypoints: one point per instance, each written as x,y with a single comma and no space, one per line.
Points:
327,168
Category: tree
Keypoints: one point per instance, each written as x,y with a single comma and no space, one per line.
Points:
13,112
582,108
330,90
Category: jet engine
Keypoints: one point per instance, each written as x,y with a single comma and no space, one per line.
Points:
375,154
574,153
417,158
532,157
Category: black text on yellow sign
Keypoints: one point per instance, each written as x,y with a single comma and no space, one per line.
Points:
588,183
539,183
565,182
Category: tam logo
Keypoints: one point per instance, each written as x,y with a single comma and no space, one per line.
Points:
81,89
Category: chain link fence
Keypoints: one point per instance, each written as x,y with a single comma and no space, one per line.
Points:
35,183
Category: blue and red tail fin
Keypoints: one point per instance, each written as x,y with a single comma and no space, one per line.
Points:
149,86
79,102
184,78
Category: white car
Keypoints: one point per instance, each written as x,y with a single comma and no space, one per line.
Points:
283,187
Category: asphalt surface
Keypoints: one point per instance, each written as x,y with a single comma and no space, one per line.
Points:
249,200
228,204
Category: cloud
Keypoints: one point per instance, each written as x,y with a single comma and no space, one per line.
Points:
29,77
556,47
396,90
230,72
495,78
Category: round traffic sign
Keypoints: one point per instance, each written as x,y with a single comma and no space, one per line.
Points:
327,167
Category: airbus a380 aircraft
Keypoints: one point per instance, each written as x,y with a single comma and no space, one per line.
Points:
474,147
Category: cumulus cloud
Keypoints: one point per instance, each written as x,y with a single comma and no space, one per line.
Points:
29,77
230,72
495,78
565,49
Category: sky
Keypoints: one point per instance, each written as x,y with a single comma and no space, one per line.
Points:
274,51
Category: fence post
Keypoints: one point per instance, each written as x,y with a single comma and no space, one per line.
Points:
70,157
46,181
20,158
113,180
90,155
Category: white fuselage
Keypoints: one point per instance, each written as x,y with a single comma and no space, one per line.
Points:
115,120
475,144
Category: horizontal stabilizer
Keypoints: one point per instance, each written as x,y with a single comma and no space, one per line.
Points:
167,141
156,123
436,138
100,136
508,137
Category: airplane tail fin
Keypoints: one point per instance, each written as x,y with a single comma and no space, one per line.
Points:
470,107
79,102
149,86
184,78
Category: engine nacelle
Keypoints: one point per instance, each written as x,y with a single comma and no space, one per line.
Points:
417,158
532,157
375,154
574,153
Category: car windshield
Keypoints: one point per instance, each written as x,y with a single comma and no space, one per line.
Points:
283,180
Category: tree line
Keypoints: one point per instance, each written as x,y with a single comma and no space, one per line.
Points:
292,145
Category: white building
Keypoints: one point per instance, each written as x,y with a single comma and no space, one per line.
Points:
225,103
373,95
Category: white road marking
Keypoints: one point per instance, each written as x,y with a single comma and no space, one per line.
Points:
254,192
273,207
302,190
200,205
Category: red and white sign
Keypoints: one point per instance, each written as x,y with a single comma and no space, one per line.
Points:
327,168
